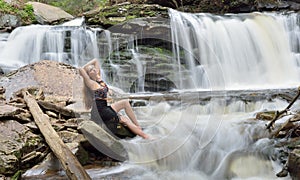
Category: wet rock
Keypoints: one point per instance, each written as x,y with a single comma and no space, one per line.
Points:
50,163
294,5
149,31
103,141
8,22
46,14
113,15
294,164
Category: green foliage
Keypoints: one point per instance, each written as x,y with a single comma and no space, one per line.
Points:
77,7
103,3
5,8
25,12
17,175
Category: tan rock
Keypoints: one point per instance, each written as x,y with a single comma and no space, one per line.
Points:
15,140
57,80
47,14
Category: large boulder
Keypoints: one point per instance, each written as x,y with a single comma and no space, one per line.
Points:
120,13
57,80
46,14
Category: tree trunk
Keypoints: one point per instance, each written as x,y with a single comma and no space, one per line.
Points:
69,162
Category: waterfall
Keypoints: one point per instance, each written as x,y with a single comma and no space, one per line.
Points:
216,140
200,140
233,51
70,44
240,51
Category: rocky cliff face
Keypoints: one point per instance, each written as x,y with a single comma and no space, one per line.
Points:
121,11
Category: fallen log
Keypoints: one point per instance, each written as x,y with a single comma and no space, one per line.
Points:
69,162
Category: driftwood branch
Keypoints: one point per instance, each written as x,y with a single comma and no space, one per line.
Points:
279,113
69,162
275,133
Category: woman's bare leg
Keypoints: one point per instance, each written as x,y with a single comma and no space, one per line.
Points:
132,122
124,104
135,129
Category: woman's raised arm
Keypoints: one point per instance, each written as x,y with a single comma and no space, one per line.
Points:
94,62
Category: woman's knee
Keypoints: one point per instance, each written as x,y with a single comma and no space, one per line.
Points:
126,102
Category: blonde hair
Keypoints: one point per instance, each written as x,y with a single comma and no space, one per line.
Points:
88,69
87,96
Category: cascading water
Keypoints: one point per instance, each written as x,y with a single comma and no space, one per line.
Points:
256,50
216,140
70,44
237,51
212,140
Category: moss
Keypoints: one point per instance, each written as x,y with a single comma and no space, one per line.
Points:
6,8
25,12
17,175
113,15
18,154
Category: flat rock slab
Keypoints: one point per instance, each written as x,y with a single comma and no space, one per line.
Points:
47,14
8,110
102,140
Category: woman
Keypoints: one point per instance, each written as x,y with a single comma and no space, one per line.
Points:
98,92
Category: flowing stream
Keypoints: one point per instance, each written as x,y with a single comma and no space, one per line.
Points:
211,141
215,139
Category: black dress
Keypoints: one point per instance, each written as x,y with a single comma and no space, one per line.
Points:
100,108
108,115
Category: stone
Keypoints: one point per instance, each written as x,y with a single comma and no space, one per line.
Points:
9,21
71,137
15,139
294,164
9,164
103,141
50,163
13,112
81,154
55,79
8,110
46,14
113,15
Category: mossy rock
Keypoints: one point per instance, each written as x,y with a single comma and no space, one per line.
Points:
121,13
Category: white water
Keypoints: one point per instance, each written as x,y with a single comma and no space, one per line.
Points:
211,141
256,50
30,44
237,51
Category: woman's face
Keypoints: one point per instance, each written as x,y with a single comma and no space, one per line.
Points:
92,71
